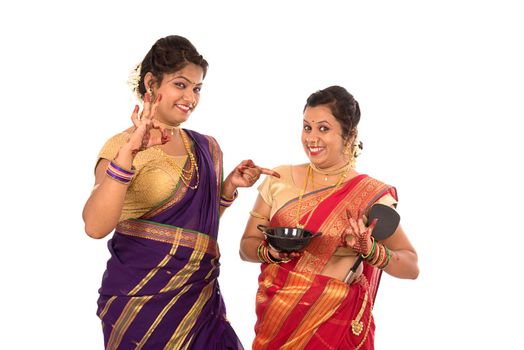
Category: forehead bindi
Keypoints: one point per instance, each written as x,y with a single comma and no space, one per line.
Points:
313,121
319,115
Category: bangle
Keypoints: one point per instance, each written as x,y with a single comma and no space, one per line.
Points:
226,202
380,256
264,256
373,259
367,256
119,174
388,258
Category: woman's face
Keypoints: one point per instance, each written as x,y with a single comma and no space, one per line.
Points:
322,138
180,94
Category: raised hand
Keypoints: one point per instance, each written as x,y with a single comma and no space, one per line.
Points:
247,173
142,136
357,236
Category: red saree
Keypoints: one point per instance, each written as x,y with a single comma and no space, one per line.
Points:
297,308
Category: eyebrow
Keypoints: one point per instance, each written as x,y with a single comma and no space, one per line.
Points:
322,121
186,79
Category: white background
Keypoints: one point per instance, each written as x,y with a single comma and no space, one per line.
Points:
440,86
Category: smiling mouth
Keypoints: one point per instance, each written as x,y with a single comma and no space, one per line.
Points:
315,150
184,108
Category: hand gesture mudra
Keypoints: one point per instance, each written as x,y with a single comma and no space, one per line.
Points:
357,236
142,136
247,173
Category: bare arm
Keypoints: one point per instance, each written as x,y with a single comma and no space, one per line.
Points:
404,260
246,174
252,236
104,207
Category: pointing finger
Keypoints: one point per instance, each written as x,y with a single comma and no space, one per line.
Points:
266,171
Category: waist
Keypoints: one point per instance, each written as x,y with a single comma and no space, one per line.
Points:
176,236
281,276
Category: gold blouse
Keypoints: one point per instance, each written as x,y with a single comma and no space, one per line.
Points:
276,192
155,179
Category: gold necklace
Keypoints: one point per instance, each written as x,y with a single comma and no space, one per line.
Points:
310,174
340,170
170,128
185,175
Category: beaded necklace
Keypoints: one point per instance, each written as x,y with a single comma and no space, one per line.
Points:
185,175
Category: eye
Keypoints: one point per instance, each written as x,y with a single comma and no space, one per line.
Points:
197,89
324,128
180,85
307,128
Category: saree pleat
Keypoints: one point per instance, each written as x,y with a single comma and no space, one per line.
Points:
160,288
297,307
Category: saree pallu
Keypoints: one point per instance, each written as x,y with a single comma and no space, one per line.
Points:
297,307
160,288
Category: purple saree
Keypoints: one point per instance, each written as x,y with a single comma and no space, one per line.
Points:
160,288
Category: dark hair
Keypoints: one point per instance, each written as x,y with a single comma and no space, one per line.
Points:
168,55
342,104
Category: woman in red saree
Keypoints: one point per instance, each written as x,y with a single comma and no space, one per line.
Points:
160,187
303,301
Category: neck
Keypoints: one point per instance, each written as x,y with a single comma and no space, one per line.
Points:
170,128
332,170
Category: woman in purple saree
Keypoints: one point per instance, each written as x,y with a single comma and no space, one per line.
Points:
163,271
160,188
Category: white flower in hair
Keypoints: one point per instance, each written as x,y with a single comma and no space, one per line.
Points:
357,148
134,79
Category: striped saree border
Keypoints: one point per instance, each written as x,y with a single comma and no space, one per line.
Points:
169,234
216,156
135,303
326,305
281,305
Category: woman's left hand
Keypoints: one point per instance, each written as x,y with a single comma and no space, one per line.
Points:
247,173
357,236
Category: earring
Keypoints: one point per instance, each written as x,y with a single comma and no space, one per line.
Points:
347,149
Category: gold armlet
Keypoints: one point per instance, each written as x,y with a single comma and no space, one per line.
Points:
257,215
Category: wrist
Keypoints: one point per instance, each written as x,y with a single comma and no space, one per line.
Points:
369,254
264,256
119,173
125,156
229,191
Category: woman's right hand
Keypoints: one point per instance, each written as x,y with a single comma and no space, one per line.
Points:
141,137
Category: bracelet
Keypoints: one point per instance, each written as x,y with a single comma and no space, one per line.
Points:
380,256
264,256
388,258
257,215
226,202
119,174
370,254
373,259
